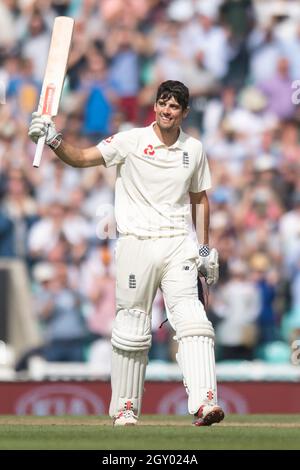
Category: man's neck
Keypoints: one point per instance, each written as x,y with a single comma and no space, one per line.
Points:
166,137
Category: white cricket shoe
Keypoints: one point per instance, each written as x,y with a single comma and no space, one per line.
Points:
125,417
208,415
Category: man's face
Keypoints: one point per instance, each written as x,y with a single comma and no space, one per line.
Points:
169,113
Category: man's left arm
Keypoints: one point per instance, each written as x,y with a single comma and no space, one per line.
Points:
208,263
200,216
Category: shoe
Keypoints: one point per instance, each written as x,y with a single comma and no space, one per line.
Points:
125,417
208,415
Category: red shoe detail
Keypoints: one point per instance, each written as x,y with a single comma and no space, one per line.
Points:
208,415
128,405
125,417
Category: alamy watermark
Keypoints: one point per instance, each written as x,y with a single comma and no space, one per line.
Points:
295,354
2,92
296,93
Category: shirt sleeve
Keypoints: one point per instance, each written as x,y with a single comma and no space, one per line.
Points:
114,149
201,179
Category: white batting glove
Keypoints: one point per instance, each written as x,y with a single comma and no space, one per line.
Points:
208,264
41,125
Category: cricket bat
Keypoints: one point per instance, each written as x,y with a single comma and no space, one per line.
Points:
55,74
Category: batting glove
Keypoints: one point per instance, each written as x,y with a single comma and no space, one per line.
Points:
208,264
41,125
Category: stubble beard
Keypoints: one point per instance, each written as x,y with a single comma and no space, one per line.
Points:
166,126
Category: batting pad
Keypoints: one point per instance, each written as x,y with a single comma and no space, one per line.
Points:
131,340
195,356
197,363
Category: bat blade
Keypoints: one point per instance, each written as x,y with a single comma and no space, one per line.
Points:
55,73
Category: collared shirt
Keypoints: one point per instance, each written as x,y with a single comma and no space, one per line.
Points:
154,181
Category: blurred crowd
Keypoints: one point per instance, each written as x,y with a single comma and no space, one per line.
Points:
241,62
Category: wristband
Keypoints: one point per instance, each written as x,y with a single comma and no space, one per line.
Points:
204,250
55,142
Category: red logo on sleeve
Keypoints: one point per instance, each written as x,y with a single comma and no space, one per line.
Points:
149,150
109,139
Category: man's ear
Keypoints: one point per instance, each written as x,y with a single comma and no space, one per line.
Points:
186,112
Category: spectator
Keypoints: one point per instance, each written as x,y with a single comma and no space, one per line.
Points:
289,232
266,281
36,43
19,212
60,310
277,89
122,48
237,304
100,92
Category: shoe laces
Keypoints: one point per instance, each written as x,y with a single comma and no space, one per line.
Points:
128,410
128,414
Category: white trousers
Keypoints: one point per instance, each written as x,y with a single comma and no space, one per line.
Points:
144,265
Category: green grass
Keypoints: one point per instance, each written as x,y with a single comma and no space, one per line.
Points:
153,432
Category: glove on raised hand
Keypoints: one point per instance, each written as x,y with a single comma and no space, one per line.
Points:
41,125
208,264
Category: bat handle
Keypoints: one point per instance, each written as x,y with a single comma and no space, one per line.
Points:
39,151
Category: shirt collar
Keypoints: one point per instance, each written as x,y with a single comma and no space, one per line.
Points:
179,144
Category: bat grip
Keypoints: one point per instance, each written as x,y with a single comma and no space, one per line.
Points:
39,151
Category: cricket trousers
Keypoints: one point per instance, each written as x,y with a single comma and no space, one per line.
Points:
142,266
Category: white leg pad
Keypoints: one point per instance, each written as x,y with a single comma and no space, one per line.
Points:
195,356
131,340
196,361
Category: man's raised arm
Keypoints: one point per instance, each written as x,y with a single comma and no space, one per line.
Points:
79,158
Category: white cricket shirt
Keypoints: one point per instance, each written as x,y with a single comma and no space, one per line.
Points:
154,180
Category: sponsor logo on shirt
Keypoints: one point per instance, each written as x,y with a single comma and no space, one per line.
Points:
108,140
185,160
149,151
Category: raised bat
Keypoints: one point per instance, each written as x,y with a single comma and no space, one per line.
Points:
54,74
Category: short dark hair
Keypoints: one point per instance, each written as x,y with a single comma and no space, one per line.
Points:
175,89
